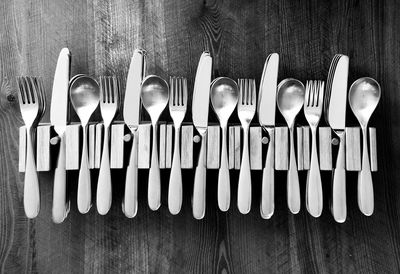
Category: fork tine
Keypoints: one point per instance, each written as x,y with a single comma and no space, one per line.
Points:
253,92
179,99
321,93
101,89
115,91
27,89
110,88
34,90
247,91
185,92
21,97
307,95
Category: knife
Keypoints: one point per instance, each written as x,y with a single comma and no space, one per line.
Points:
266,117
131,111
337,121
58,118
200,104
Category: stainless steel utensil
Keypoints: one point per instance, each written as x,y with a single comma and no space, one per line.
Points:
335,115
177,109
266,117
313,110
364,95
154,94
224,97
137,70
109,101
290,100
32,105
200,104
58,118
85,96
246,110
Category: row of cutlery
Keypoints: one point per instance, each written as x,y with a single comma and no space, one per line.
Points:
225,95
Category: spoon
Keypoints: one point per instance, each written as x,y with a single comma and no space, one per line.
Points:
85,97
290,100
224,97
154,94
364,95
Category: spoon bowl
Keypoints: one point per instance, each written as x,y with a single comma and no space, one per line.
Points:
85,97
364,95
224,97
154,96
290,99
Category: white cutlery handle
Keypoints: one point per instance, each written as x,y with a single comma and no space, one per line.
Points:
314,199
31,183
84,182
199,187
244,184
224,188
268,180
338,205
104,188
60,204
130,204
154,187
175,179
293,187
365,186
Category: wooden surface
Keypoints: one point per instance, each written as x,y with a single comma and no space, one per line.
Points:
239,34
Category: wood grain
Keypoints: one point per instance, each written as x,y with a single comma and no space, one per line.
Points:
239,34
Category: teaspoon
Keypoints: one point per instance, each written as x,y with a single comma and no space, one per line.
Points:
364,95
224,97
290,100
85,97
154,94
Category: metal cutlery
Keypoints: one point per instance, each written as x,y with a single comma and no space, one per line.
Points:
85,97
177,109
266,117
290,100
335,115
364,95
58,118
109,102
32,104
201,94
224,98
314,99
246,109
131,110
154,94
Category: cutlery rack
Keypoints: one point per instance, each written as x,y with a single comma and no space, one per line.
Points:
119,136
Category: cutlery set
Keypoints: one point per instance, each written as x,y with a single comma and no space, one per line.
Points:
225,95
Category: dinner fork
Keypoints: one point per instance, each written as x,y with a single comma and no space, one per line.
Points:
109,99
246,110
177,109
31,102
313,110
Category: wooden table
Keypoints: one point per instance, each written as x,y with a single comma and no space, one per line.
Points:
239,34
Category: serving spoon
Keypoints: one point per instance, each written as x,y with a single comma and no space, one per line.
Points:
364,95
85,97
154,94
290,100
224,97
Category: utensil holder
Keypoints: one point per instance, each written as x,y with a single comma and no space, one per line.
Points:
46,142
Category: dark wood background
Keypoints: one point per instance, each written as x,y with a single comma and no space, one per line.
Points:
239,34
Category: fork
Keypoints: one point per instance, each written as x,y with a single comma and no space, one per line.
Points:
177,109
31,102
246,109
313,110
109,99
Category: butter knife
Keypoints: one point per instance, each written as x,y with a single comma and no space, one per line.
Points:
266,116
337,121
131,113
200,105
58,118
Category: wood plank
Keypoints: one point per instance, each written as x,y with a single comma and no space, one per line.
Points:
187,147
325,148
43,161
231,147
373,150
162,144
168,146
117,146
255,148
300,148
72,142
144,146
22,149
353,149
237,145
281,148
91,145
213,147
99,137
306,147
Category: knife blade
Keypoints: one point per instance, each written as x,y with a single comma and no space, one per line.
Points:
266,116
200,105
337,121
131,114
58,118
